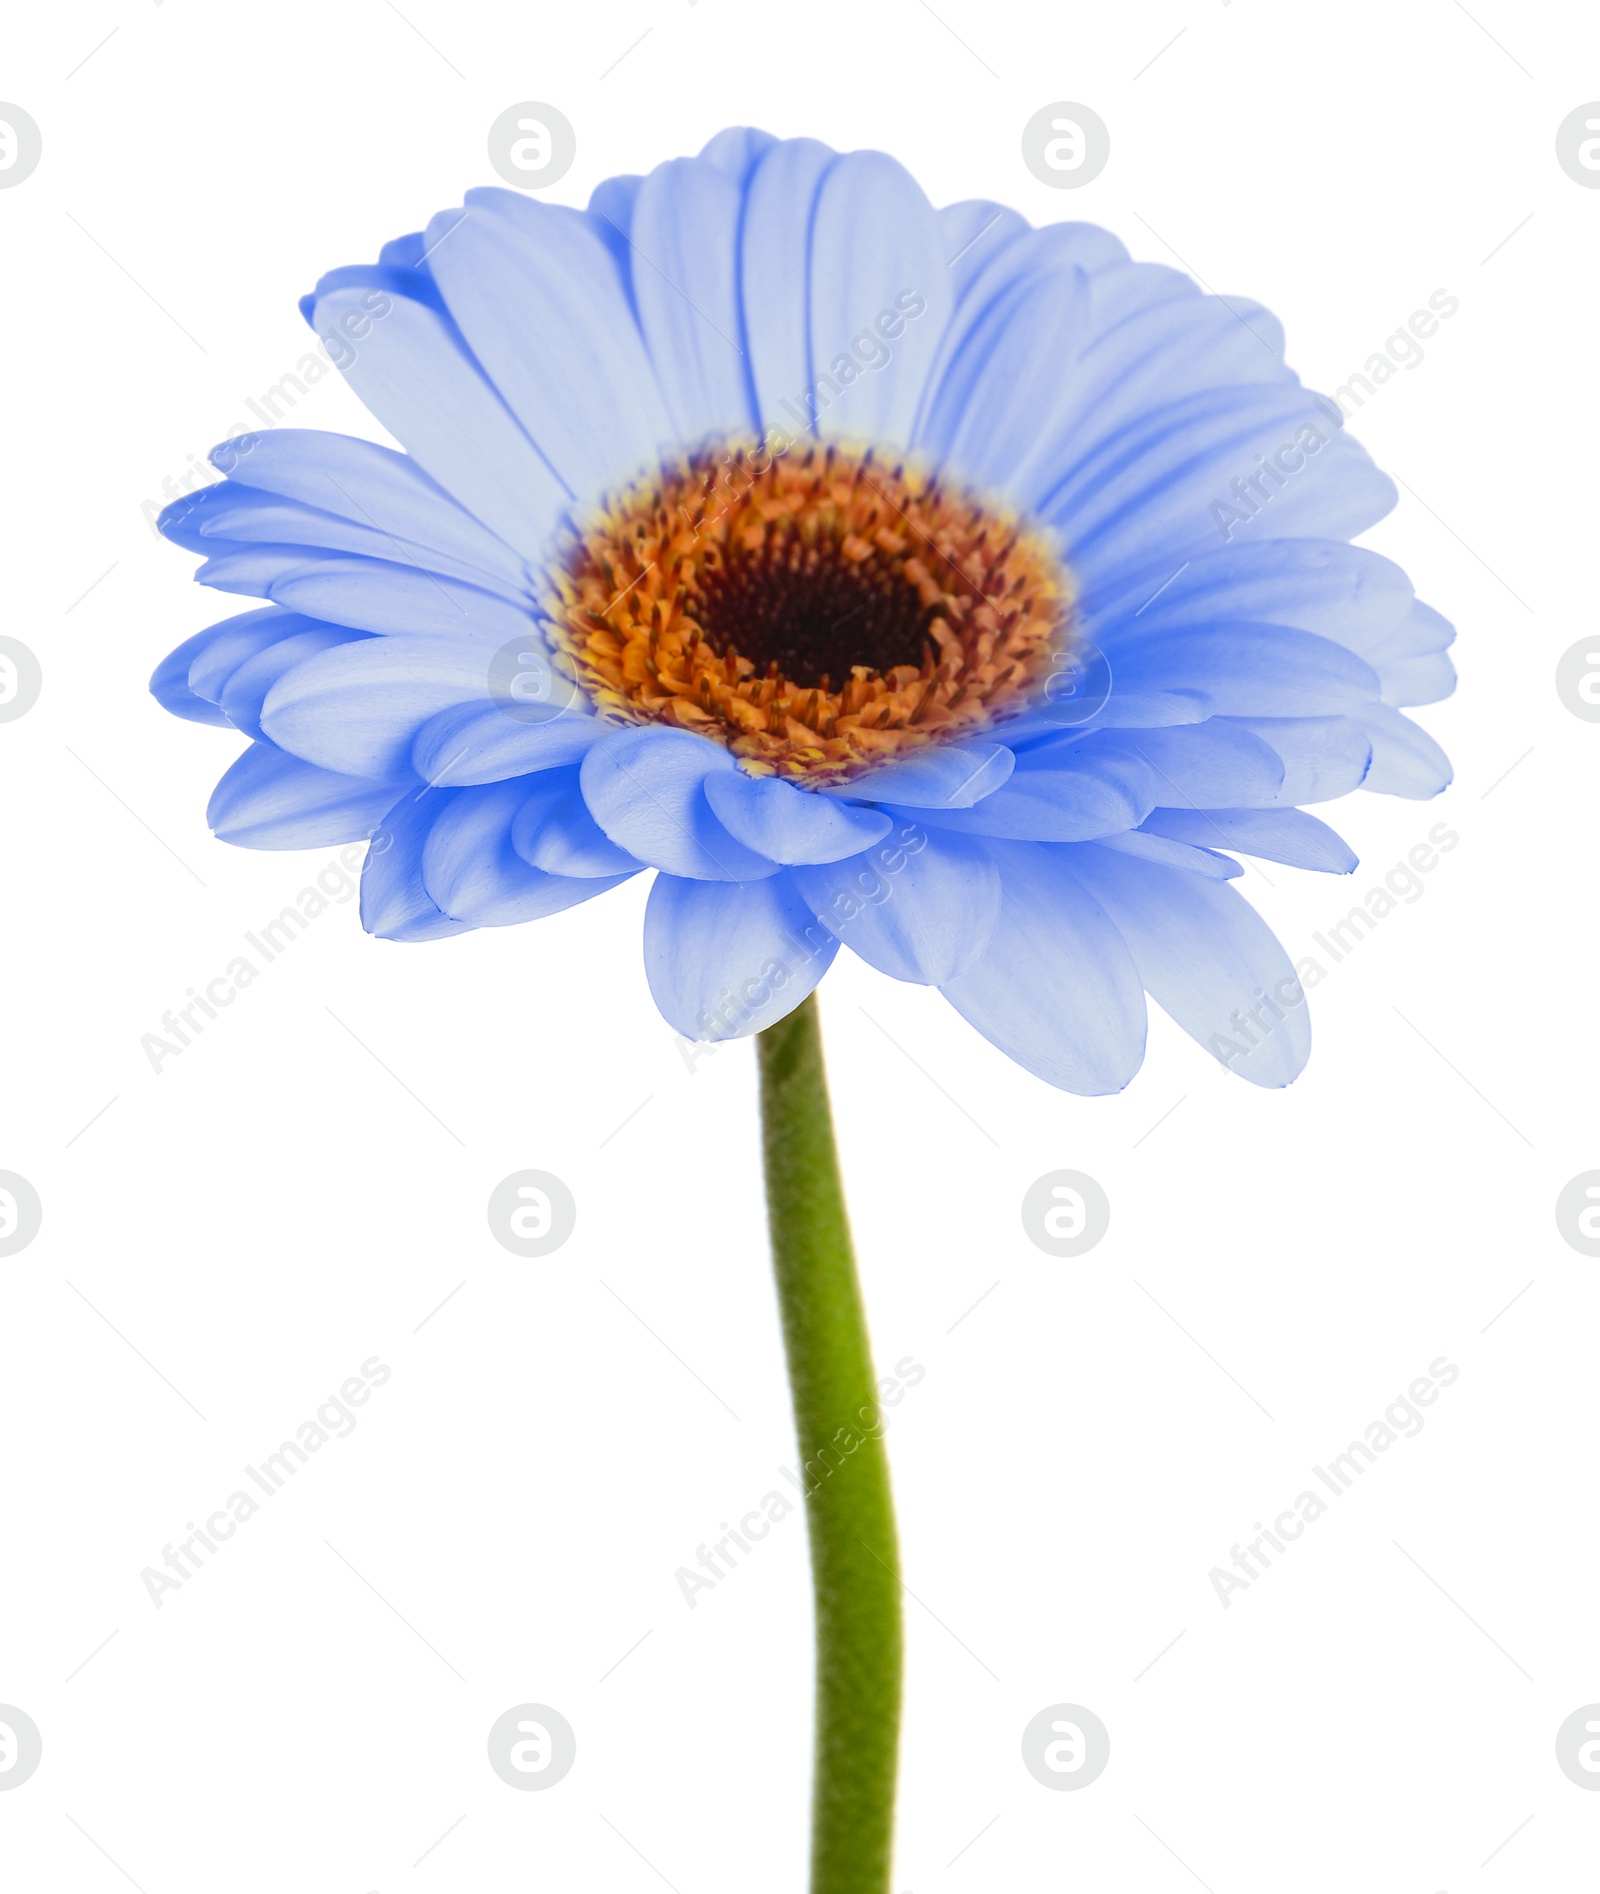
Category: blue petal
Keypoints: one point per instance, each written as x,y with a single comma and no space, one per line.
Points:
1405,759
1057,990
992,266
1410,660
1169,854
1140,710
938,776
1276,835
736,151
481,743
368,486
1423,680
922,913
997,402
237,518
405,253
611,205
775,263
230,514
246,690
879,298
645,787
1420,632
973,234
725,959
1054,716
684,262
358,708
472,873
1347,593
1068,792
1209,961
1162,484
169,682
1213,765
270,800
787,824
554,830
1260,321
543,307
1174,341
394,903
418,377
1323,757
228,517
378,286
367,594
1250,670
183,521
228,645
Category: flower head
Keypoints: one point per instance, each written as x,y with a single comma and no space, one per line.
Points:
815,612
911,579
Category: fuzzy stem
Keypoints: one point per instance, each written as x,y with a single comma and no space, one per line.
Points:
850,1515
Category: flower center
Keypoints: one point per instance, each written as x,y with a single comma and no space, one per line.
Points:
815,610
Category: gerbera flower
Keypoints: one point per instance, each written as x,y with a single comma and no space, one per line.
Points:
965,594
911,579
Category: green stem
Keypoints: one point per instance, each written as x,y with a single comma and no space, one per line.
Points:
850,1515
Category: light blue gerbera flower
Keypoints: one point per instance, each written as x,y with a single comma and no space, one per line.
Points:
908,579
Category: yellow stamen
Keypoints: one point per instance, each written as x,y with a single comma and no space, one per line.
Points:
815,611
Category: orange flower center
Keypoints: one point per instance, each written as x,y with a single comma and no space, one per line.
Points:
816,611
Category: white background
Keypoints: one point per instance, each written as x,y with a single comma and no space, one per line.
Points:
275,1207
